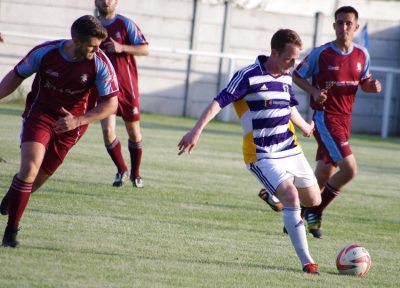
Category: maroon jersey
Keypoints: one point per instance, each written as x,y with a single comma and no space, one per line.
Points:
62,82
339,73
124,31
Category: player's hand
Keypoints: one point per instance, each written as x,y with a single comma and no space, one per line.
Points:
309,129
1,38
375,86
320,96
66,123
187,143
113,46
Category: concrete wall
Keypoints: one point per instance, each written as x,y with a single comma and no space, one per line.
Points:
163,75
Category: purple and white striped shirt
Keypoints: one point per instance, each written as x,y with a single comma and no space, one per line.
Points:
262,103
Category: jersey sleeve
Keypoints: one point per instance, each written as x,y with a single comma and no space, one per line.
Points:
365,74
309,66
31,62
136,36
106,79
236,89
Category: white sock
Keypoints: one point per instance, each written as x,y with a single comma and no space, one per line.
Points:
297,233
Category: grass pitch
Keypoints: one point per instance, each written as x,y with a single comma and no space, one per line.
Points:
197,223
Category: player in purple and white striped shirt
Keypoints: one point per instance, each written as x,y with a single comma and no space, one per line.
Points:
265,103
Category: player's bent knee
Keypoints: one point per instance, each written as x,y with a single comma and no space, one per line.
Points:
28,173
289,199
350,173
108,136
134,135
315,201
353,173
310,196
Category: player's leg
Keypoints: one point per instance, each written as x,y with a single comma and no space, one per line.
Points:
270,199
332,135
266,193
310,196
305,182
135,151
288,195
57,150
330,189
41,136
32,154
323,171
347,171
113,147
40,179
272,173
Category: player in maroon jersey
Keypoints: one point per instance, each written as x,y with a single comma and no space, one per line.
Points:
57,116
125,40
337,69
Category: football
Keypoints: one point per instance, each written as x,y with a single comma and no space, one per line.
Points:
353,259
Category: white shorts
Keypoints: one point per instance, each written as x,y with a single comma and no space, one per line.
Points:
272,172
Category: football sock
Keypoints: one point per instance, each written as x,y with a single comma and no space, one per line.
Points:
327,196
135,150
115,152
297,233
19,194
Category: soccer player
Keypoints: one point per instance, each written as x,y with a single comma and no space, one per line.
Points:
265,103
337,68
124,42
66,70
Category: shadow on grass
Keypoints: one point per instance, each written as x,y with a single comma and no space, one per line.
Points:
204,261
184,222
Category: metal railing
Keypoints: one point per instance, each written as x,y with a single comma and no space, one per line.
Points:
232,58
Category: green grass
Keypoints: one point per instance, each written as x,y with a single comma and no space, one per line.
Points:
197,223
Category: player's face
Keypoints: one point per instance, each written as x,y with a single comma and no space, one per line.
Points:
287,58
106,7
87,49
345,26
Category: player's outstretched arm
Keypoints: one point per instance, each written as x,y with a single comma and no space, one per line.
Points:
189,140
9,84
371,86
298,120
103,109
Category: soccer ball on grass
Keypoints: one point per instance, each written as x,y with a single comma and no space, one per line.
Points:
353,259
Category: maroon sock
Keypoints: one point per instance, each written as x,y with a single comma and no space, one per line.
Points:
19,194
135,150
327,196
115,152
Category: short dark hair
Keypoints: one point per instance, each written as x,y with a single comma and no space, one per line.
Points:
346,9
88,26
283,37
